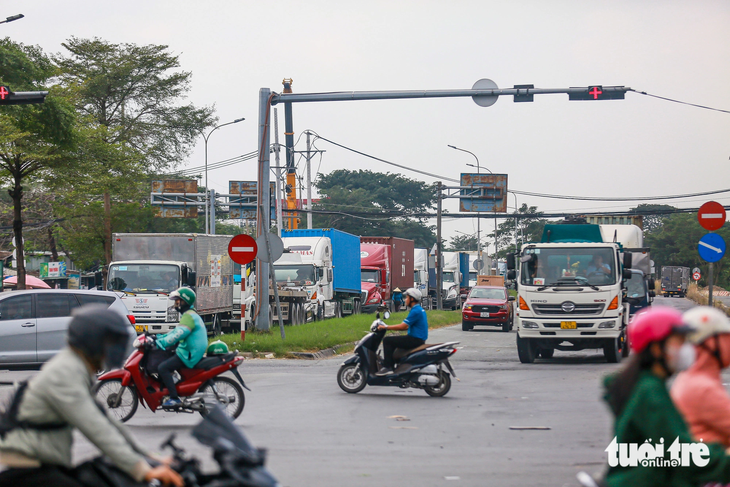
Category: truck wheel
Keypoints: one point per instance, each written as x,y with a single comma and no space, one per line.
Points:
338,309
612,350
625,348
217,331
525,350
546,352
302,314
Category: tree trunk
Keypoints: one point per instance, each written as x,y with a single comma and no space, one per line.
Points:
52,244
107,237
17,195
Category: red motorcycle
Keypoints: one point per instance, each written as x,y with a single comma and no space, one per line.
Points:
199,388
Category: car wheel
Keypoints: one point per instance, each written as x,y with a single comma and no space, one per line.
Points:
465,326
506,326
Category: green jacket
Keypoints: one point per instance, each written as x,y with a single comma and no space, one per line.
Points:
191,337
651,415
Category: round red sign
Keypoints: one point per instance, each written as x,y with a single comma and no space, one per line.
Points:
242,249
711,216
696,276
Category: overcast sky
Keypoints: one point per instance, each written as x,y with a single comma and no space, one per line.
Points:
633,147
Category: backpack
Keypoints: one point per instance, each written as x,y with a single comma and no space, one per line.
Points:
9,415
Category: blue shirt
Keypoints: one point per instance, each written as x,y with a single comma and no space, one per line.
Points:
417,323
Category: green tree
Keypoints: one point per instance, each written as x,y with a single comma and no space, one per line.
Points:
34,139
463,243
372,203
529,229
652,221
674,243
131,100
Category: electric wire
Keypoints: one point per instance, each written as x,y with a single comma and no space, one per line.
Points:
679,101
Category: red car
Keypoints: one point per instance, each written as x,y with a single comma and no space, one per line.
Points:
487,305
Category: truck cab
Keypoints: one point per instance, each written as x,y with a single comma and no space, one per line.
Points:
570,294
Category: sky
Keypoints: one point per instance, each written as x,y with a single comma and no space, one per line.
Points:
639,146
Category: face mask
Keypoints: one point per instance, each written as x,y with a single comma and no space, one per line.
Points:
680,358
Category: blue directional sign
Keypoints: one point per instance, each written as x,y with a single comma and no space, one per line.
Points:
711,247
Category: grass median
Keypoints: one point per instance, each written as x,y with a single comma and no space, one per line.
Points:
321,335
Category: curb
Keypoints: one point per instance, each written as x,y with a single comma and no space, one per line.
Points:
326,353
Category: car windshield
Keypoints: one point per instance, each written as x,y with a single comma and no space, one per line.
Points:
302,274
448,276
635,286
144,279
479,293
568,265
369,275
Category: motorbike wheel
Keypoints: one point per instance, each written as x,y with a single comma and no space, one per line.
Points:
351,378
442,388
226,389
107,391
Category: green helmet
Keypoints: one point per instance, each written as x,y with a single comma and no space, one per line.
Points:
186,294
217,348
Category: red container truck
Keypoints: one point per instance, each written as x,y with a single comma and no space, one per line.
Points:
386,263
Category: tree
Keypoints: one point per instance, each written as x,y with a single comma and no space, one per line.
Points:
371,203
529,229
463,243
135,125
652,221
34,139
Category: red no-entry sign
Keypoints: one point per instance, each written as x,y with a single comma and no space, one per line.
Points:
711,216
242,249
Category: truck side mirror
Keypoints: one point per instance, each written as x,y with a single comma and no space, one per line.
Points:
511,261
511,274
652,294
626,274
511,298
192,278
652,284
329,275
627,260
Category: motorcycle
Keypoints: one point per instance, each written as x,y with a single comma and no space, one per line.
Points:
239,463
199,388
421,368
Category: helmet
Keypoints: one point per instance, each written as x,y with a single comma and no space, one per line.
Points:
186,295
414,293
655,325
707,322
217,348
100,334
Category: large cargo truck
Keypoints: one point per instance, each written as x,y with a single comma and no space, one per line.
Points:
454,278
421,281
147,267
570,293
675,280
325,263
386,263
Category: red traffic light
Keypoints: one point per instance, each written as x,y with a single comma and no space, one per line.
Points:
4,93
8,97
597,92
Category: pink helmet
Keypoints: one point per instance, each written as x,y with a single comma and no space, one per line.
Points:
655,325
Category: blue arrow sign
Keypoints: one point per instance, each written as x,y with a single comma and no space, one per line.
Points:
711,247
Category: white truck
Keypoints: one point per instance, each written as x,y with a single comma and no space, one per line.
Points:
570,292
147,267
454,277
421,275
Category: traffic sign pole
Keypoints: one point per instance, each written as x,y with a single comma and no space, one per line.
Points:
709,284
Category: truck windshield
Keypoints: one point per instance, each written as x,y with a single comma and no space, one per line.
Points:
569,265
144,278
302,274
369,275
635,286
448,276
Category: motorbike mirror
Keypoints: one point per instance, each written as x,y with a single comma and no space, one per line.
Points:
386,315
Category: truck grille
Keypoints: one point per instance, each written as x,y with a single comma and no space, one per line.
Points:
487,309
557,310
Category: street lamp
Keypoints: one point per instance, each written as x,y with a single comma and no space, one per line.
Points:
12,18
207,189
479,170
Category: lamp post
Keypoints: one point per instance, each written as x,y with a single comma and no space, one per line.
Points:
207,189
479,239
12,18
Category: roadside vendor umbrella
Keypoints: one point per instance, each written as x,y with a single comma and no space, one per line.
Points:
30,281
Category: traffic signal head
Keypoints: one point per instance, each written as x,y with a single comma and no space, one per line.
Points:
598,92
8,97
288,189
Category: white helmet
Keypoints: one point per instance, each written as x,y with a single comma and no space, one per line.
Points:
414,293
707,321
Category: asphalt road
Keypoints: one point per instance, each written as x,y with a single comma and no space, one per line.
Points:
318,435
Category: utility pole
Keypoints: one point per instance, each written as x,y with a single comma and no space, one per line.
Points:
439,264
309,180
263,218
279,222
291,172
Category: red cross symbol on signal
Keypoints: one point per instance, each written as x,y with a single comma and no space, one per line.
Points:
595,92
3,92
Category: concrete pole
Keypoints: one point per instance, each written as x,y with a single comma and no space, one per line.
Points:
212,198
439,262
309,181
263,218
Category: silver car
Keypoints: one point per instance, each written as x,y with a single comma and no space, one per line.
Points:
33,323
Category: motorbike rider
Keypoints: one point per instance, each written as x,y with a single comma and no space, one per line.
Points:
191,339
643,408
36,450
417,325
698,392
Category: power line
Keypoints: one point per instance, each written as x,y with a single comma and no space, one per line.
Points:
678,101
